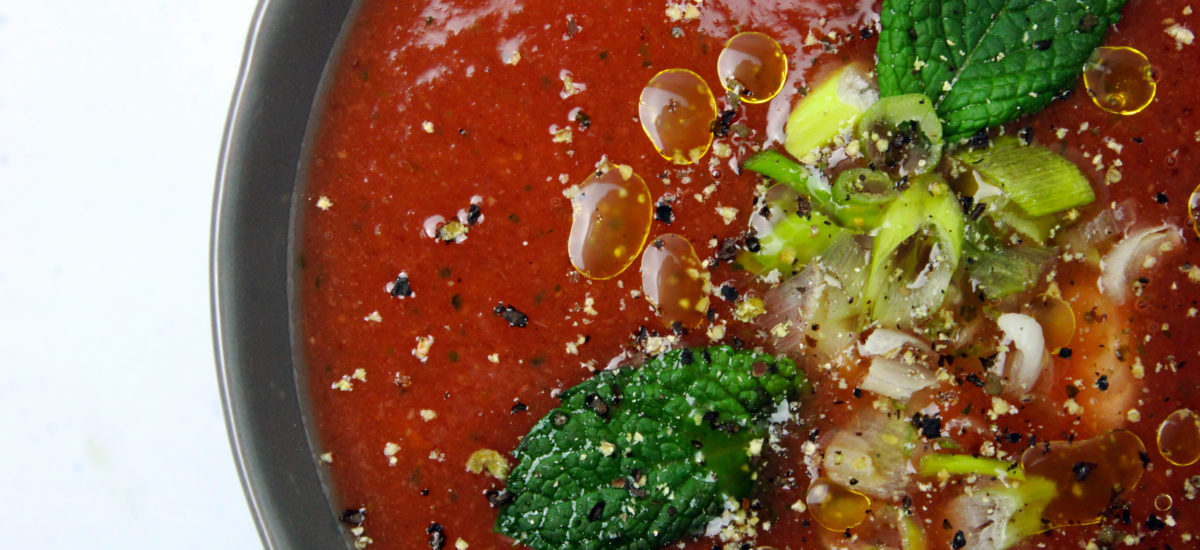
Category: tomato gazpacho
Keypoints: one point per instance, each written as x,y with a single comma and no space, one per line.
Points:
733,274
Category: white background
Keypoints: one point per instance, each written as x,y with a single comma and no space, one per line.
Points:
111,430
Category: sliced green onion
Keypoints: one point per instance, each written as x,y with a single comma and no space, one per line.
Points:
828,110
1007,514
997,271
778,167
912,536
1034,177
1038,229
902,133
934,464
916,251
792,241
860,195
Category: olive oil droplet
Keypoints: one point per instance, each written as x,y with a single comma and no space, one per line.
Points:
753,67
675,281
1119,80
677,109
610,219
835,507
1090,475
1179,438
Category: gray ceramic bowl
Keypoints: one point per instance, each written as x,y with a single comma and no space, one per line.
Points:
260,168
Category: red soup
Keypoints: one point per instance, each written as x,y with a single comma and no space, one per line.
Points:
1013,370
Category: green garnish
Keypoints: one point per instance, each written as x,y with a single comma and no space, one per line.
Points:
1010,509
861,195
1032,176
832,107
778,167
794,240
639,457
903,133
996,270
915,254
959,465
986,62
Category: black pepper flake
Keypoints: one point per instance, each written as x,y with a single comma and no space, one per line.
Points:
508,313
1025,135
424,492
498,498
966,201
866,33
1138,140
977,211
728,250
1082,470
1153,523
1145,458
686,356
1043,45
1161,198
975,379
1065,353
596,404
1014,437
596,512
664,213
752,244
930,426
401,288
473,214
960,540
857,392
979,140
354,517
803,207
720,126
1102,382
519,408
728,292
437,536
583,119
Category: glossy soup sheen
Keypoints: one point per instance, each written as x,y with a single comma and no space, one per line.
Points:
425,115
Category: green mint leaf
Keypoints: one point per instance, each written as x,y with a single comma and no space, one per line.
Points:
986,62
640,457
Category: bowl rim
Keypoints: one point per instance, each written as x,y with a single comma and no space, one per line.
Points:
288,47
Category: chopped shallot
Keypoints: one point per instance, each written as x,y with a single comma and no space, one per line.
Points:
1139,250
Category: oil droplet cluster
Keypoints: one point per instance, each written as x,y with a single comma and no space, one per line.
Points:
676,109
675,281
611,213
1119,80
610,221
835,507
752,67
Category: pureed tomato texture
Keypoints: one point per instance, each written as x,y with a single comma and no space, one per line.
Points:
758,274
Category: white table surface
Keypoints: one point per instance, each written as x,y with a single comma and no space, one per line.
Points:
111,430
